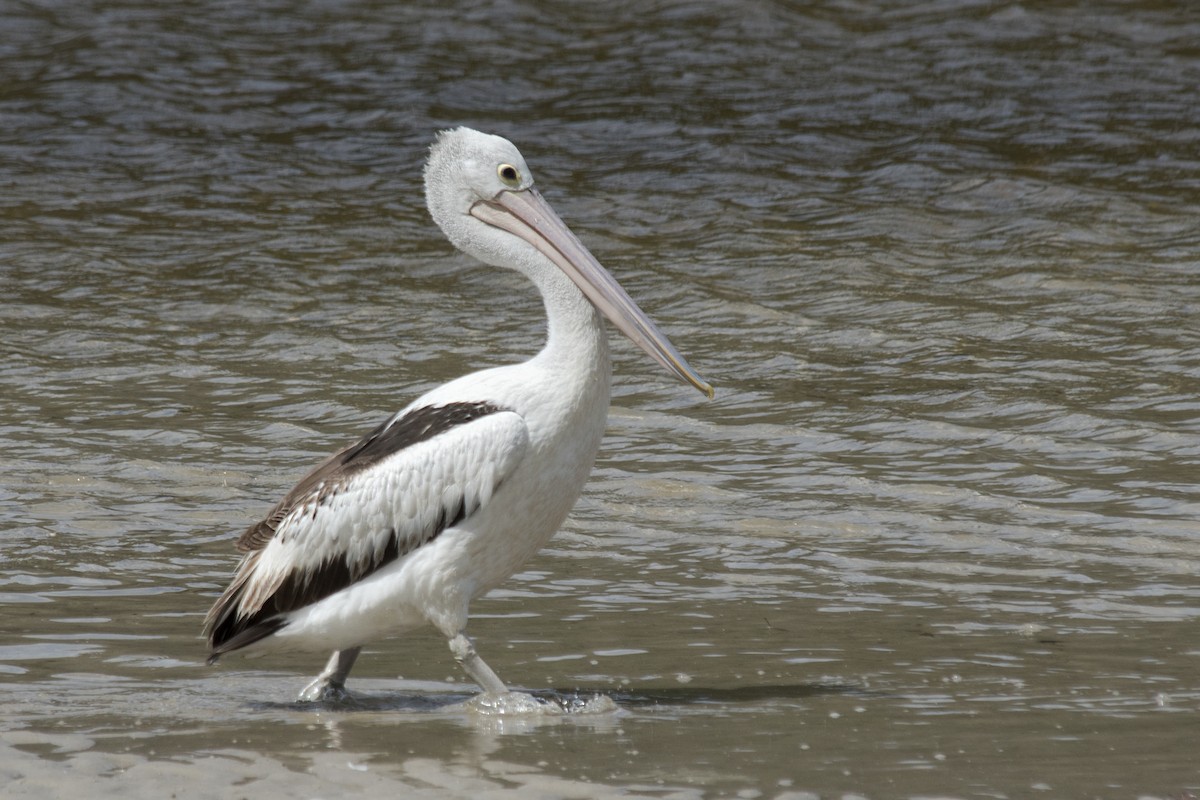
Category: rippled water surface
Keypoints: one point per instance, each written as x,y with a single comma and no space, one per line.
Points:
936,536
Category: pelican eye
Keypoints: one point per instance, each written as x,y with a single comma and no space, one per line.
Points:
509,175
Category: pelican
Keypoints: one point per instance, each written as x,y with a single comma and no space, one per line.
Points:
450,495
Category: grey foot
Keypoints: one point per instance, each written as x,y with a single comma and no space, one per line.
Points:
512,704
330,685
323,691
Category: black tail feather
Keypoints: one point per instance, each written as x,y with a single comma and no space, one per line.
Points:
224,641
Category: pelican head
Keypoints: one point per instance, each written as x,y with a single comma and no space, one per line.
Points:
480,193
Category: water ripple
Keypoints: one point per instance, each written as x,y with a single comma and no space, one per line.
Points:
939,262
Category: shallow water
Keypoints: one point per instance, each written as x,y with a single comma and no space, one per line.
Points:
936,536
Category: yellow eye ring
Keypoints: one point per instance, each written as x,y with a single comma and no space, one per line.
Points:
509,175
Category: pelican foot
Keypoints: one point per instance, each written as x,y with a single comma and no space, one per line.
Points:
330,685
511,704
325,691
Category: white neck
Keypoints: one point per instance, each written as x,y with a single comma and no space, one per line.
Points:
577,343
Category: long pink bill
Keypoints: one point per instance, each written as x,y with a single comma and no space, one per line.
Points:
525,214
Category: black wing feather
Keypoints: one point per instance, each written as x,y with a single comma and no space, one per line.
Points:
227,631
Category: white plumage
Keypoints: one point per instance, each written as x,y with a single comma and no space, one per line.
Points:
451,495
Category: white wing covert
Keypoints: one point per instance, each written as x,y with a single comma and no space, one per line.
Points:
398,488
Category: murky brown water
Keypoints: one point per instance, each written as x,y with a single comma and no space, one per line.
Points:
937,536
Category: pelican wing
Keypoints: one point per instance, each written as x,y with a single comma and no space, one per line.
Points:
364,507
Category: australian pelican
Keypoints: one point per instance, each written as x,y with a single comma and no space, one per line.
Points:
452,494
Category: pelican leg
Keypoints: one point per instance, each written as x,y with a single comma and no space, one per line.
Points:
331,683
464,653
